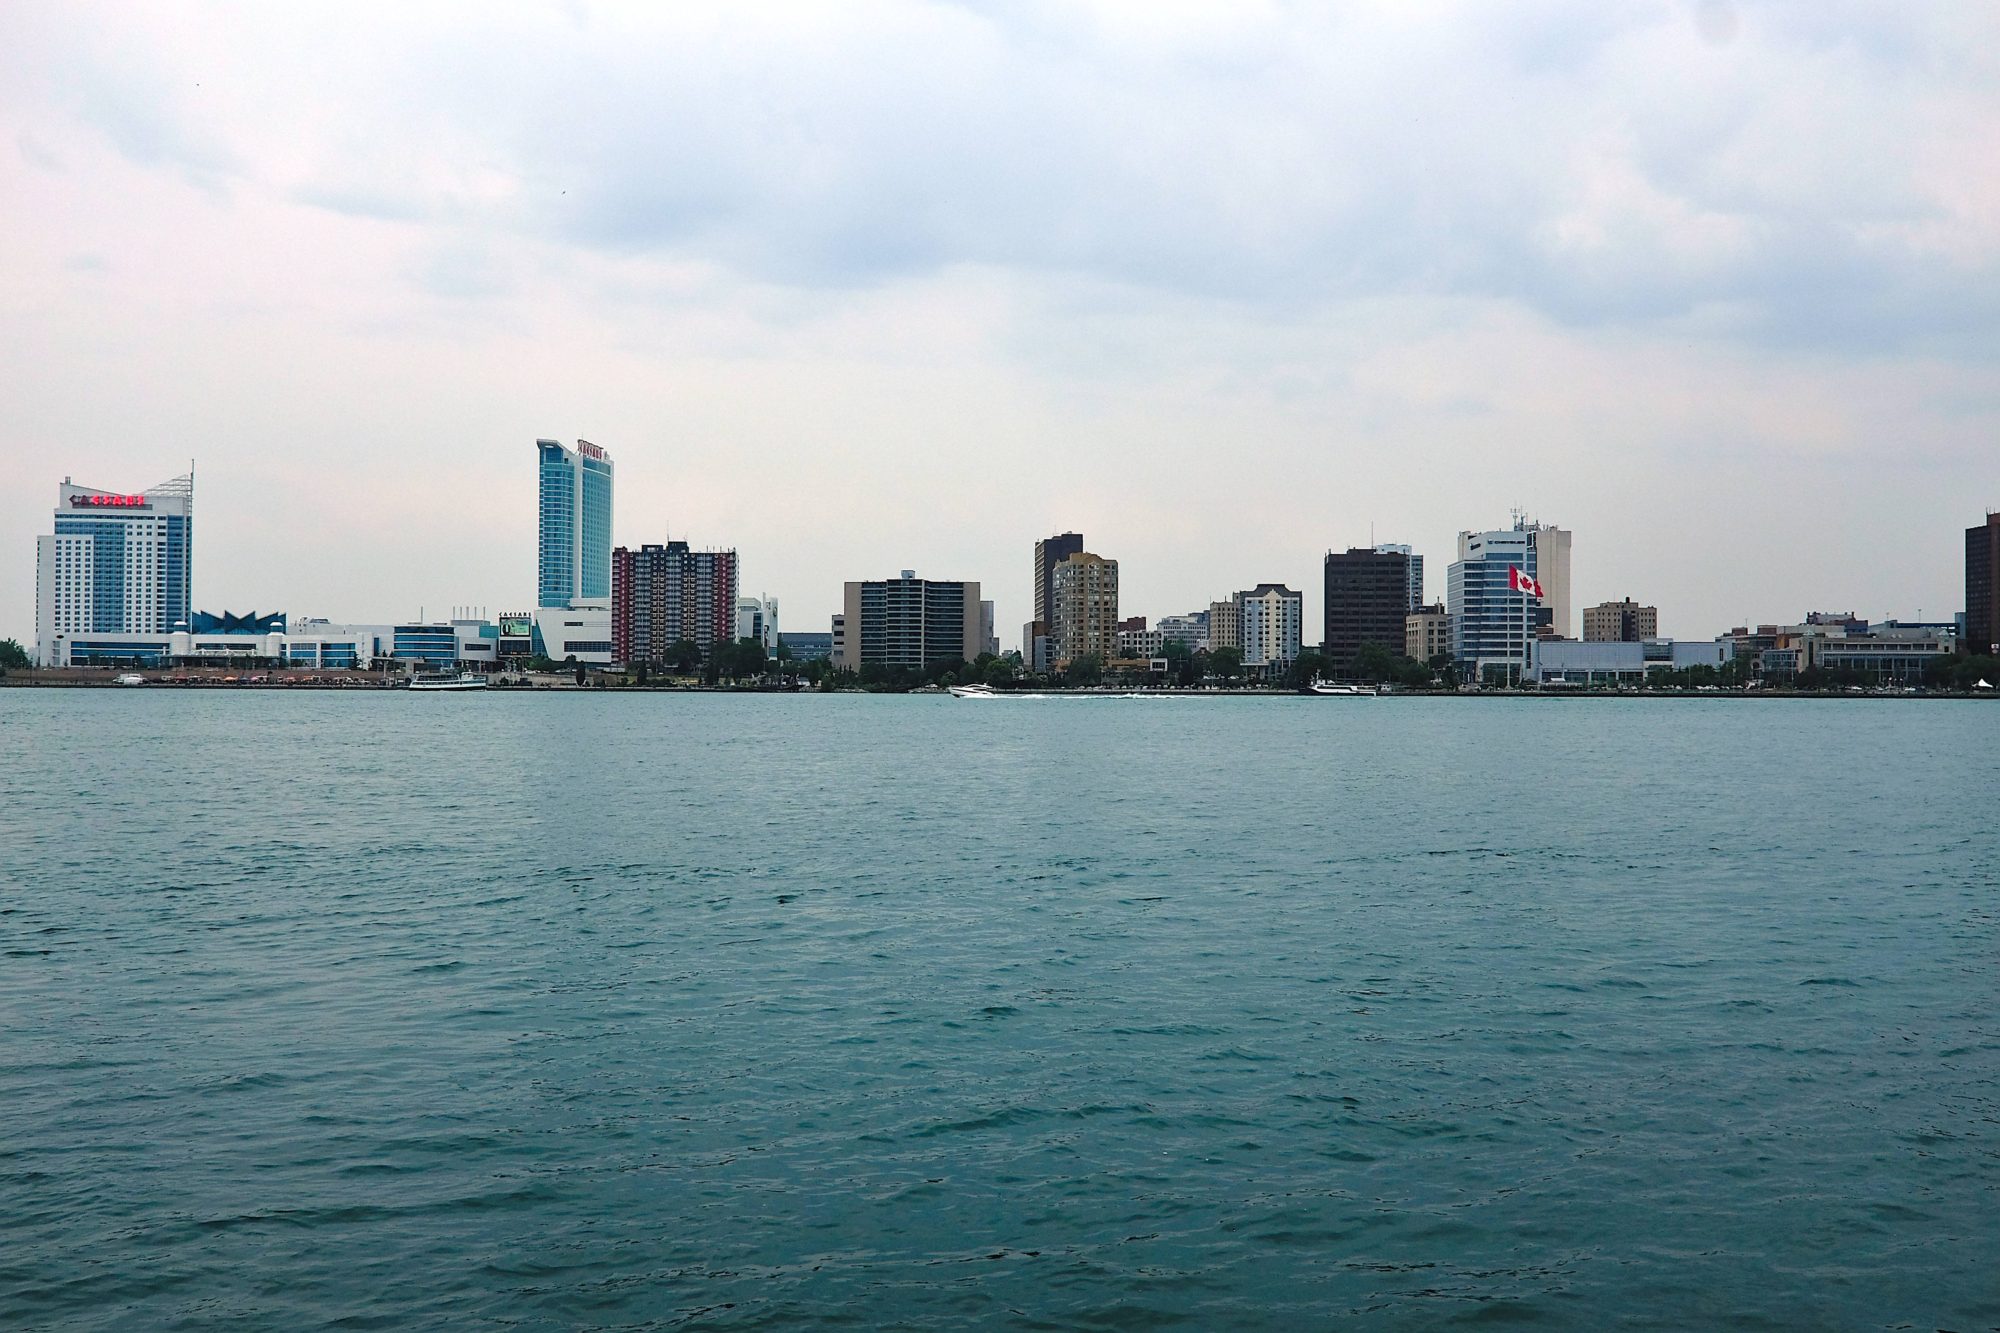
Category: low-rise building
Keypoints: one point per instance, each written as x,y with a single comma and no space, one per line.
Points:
1616,662
1620,622
1427,633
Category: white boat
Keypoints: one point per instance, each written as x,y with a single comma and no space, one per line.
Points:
1324,687
973,692
448,680
130,678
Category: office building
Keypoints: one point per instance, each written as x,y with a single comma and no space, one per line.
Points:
1416,590
807,647
575,546
989,630
1982,587
1190,631
1225,625
908,622
1565,662
1050,552
757,618
1491,623
1620,622
663,595
114,566
1140,644
1427,633
1367,600
1085,605
1269,620
1038,647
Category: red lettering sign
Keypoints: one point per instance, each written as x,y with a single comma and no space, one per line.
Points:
109,502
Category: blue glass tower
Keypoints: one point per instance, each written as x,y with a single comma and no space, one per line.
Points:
575,506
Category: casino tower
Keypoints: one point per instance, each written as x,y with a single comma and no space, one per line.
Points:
116,564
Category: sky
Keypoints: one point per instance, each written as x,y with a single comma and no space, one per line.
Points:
863,287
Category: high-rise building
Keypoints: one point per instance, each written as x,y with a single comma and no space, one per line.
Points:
575,548
1491,623
1982,587
908,622
1367,600
1225,625
1620,622
1085,606
115,564
663,595
1416,571
1050,552
989,630
1270,617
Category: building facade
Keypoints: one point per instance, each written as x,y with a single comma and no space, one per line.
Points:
664,594
757,618
1367,600
1050,552
1270,618
1491,624
1566,662
1190,631
1982,587
1225,625
114,566
1427,633
1416,570
1620,622
574,553
907,622
1085,607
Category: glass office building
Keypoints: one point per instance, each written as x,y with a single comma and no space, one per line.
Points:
574,562
1492,625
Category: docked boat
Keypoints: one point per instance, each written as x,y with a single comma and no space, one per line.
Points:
130,678
1326,687
973,692
448,680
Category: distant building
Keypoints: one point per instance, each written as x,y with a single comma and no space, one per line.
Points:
807,647
1050,552
1225,625
1982,587
1038,647
1269,619
1620,622
989,631
1427,633
757,618
837,640
574,562
1615,661
909,622
1367,600
1491,623
115,566
1190,631
1085,607
1890,653
1416,597
666,594
1141,643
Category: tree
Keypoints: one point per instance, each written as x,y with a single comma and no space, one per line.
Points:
1226,662
13,657
1374,663
1306,668
684,656
1085,670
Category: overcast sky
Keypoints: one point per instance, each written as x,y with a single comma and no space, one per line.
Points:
858,287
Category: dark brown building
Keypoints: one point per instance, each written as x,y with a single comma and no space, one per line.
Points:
1367,601
1050,552
1982,587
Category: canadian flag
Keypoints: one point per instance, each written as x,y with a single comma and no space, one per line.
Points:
1519,580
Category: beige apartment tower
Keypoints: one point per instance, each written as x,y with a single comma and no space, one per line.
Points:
1085,596
1426,633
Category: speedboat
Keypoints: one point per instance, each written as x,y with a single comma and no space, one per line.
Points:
448,680
1326,687
973,692
130,678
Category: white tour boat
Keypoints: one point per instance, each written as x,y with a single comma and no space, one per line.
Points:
448,680
1324,687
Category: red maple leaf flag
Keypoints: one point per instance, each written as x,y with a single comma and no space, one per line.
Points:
1519,580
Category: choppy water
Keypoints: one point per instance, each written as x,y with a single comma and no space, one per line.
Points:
406,1011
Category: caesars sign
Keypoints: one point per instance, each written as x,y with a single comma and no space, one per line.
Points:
516,627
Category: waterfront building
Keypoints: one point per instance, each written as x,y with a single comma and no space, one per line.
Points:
757,618
1190,630
575,509
1427,633
517,634
1491,624
908,622
116,568
1225,625
313,642
1620,622
1982,586
1050,552
807,647
1416,589
665,594
1141,643
1085,607
1566,662
1367,600
1038,647
1270,617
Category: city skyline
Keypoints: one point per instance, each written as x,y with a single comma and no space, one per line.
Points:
1736,304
